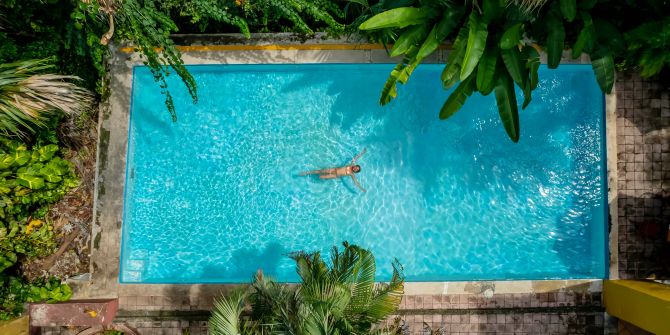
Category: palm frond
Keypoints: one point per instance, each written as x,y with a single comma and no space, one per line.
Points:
225,319
336,298
387,296
28,98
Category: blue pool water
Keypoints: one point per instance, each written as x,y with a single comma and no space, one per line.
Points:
216,195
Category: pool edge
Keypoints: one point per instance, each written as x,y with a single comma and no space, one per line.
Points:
110,178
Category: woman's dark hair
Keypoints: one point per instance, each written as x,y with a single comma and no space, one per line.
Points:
356,168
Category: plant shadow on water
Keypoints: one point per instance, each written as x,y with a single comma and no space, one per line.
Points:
245,262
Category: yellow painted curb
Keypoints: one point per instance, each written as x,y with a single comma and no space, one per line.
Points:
202,48
643,303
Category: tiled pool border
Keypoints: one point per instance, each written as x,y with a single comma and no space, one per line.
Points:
276,49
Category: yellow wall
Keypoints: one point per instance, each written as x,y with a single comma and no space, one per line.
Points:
643,303
15,327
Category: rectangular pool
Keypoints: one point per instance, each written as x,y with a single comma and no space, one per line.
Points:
217,195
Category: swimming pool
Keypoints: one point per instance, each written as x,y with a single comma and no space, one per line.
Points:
217,195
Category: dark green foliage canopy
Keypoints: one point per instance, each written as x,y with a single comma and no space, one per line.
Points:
496,44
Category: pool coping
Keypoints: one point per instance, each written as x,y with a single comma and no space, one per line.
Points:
271,49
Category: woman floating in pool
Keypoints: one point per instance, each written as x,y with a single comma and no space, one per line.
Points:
342,171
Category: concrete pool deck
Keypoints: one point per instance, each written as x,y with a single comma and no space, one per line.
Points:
433,299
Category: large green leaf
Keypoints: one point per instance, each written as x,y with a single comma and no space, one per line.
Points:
511,37
532,64
527,95
47,152
6,161
568,9
396,18
603,66
30,181
476,44
486,70
555,41
413,36
450,19
21,157
515,65
399,74
415,55
455,59
507,107
50,175
586,38
458,97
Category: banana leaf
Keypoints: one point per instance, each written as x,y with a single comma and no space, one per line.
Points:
511,37
515,65
411,37
555,41
450,19
476,44
568,9
396,18
603,66
527,95
458,97
507,107
455,59
586,38
399,74
532,64
486,70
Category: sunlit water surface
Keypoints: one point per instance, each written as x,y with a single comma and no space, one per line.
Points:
216,195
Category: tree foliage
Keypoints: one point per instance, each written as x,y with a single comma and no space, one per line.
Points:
14,292
29,98
340,298
147,25
496,46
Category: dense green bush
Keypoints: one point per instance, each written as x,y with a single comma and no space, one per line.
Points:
31,179
39,29
14,292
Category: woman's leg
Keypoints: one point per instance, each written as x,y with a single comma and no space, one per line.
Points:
324,171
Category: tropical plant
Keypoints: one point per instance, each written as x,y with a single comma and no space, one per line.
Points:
31,179
496,45
28,98
649,46
342,298
147,26
14,292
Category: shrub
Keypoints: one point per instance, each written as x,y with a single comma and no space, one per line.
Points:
31,179
14,292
